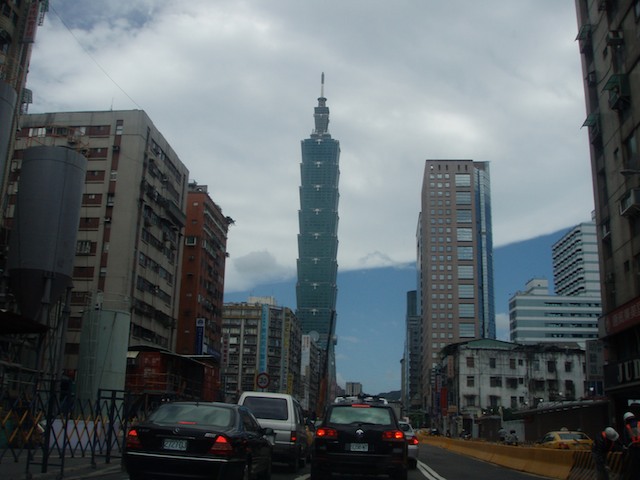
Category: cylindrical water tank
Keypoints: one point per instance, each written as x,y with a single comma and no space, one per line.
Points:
42,244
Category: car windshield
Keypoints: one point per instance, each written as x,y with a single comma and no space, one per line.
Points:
267,408
348,414
193,414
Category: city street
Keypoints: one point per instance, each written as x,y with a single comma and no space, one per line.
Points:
434,464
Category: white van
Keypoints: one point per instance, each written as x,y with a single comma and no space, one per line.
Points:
284,414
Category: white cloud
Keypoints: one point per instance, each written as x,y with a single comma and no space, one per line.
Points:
232,85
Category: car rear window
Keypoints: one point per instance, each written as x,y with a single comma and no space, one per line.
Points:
193,414
349,414
267,408
573,436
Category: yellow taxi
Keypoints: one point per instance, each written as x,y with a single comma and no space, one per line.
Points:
566,440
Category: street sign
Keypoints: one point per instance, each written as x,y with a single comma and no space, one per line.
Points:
262,380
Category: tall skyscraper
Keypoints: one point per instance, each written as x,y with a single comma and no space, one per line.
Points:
455,258
609,46
575,262
316,288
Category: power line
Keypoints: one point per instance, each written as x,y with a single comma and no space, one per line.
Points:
92,58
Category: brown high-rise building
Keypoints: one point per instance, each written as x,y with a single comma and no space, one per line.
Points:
202,286
455,261
609,44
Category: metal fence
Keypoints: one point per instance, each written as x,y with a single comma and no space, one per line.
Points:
42,430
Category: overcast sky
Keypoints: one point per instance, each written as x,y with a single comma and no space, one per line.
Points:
232,85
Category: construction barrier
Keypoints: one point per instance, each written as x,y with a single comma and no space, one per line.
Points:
546,462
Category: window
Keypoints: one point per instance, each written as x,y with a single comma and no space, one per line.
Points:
470,400
463,198
463,216
471,362
494,401
514,402
467,330
512,363
465,253
464,234
190,241
568,366
467,310
495,381
465,272
492,363
83,247
466,291
551,366
471,381
463,180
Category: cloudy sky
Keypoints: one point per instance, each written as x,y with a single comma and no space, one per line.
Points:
232,85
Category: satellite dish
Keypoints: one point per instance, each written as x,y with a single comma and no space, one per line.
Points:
315,336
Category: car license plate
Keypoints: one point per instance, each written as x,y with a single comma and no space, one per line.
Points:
359,447
174,444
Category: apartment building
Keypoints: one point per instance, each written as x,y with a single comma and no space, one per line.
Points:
262,345
608,40
126,272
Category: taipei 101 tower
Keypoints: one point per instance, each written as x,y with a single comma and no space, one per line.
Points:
316,289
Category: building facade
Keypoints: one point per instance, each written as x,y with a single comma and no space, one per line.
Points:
129,243
199,329
484,377
609,45
317,265
576,270
310,359
455,260
262,345
538,317
19,21
411,396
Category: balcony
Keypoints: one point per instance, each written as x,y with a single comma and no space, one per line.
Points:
630,203
595,132
619,93
584,37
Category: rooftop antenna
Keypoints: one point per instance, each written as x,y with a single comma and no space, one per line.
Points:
322,85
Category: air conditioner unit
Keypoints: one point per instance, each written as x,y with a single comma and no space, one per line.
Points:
614,38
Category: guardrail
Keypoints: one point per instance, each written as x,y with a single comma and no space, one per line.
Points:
546,462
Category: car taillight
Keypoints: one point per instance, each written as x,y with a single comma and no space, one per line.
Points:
414,441
294,437
132,439
221,446
393,435
324,432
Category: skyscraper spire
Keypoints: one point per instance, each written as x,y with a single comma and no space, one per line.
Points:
321,114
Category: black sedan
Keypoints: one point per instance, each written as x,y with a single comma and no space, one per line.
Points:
199,440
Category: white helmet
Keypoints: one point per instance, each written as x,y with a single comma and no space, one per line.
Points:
611,434
628,415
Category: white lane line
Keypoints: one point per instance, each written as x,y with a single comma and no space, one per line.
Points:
429,472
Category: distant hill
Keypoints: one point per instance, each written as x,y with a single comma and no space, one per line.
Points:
393,395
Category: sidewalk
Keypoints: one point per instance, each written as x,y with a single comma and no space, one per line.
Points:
77,468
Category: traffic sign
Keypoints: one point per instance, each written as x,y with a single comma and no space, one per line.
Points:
262,380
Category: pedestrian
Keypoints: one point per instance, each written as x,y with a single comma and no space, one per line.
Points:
502,434
512,438
607,441
631,442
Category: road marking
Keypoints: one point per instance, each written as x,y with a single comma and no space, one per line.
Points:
429,472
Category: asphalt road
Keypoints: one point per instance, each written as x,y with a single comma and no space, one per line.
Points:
434,464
